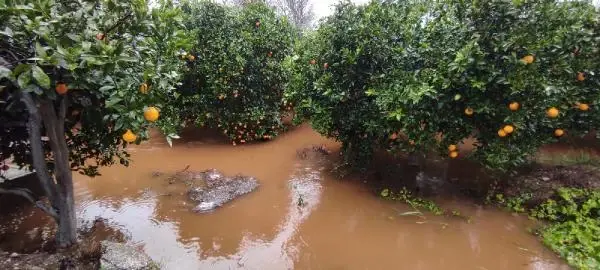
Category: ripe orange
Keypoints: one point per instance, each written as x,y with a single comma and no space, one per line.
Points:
508,129
221,96
528,59
469,111
580,76
502,133
100,36
129,136
514,106
61,88
583,106
552,112
144,88
453,154
191,57
559,132
151,114
452,148
313,61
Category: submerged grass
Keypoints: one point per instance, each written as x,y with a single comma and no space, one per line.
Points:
416,203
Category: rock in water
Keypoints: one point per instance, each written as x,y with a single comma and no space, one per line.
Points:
219,189
119,256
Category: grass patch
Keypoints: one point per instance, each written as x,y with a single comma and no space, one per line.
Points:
568,158
574,228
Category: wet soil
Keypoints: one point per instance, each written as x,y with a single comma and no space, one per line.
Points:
541,182
302,217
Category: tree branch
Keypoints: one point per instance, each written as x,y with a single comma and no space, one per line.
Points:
62,113
26,193
55,130
119,22
37,152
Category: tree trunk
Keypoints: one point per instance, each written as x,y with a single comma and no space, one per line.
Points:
58,189
55,129
66,235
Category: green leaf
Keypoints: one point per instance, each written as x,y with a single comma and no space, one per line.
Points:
24,79
20,69
74,37
40,50
41,77
5,73
7,32
33,88
371,92
112,101
106,88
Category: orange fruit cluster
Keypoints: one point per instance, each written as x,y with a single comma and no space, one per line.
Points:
453,151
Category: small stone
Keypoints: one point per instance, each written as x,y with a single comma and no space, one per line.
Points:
546,179
123,256
14,255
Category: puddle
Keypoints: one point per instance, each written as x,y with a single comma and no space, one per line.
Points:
299,218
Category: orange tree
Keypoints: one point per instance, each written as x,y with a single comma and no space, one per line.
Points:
422,76
79,80
236,79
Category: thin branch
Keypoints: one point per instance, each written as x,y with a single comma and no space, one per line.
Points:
11,53
119,22
26,193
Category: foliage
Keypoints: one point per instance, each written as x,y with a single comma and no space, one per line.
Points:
574,229
400,75
236,79
515,204
51,42
69,80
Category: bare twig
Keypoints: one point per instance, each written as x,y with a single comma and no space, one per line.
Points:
119,22
185,169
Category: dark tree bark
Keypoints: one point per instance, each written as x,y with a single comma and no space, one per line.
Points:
58,189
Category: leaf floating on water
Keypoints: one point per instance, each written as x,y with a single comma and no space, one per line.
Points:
412,213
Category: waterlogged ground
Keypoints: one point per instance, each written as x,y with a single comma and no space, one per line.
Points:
301,217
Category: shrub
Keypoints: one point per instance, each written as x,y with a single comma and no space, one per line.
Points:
236,79
70,80
420,76
574,231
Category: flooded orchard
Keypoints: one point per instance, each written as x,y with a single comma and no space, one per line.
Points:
300,217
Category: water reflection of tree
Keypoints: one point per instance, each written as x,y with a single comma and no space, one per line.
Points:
221,232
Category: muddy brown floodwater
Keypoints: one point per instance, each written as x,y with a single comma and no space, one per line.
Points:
341,225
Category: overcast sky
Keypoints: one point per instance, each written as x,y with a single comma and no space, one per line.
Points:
325,7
